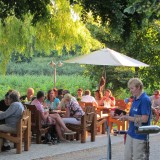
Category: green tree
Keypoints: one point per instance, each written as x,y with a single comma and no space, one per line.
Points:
37,8
130,27
59,30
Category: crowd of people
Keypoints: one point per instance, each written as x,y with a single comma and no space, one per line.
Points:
11,109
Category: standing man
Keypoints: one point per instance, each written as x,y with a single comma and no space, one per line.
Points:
140,114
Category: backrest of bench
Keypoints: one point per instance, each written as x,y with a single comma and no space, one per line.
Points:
120,104
24,122
35,117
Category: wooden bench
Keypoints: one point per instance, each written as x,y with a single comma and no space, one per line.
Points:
101,121
120,125
36,125
121,104
88,123
22,134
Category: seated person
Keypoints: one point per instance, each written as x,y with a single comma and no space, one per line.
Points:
108,100
51,119
74,111
98,96
29,97
60,94
65,92
88,98
128,102
155,99
52,102
79,94
11,116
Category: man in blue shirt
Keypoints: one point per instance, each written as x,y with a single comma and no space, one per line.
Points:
140,114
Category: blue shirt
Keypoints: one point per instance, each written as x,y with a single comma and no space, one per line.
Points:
13,114
53,105
140,106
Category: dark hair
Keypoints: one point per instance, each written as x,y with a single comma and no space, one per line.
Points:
40,94
65,92
80,89
60,91
48,97
87,92
100,95
7,94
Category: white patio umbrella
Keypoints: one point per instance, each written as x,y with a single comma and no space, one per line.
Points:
108,57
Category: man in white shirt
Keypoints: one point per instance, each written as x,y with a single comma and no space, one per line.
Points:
88,98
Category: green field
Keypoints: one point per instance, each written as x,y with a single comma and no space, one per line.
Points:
41,82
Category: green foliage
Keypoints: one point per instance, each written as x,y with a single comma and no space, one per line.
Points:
140,40
116,77
38,8
55,32
21,83
40,66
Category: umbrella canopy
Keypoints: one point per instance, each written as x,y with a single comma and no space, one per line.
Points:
108,57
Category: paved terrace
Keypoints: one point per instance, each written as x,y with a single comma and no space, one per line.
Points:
76,151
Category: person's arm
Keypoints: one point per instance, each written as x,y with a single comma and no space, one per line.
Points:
8,112
57,103
67,114
143,118
44,115
94,102
101,102
112,101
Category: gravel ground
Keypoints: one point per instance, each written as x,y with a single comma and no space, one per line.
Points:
100,153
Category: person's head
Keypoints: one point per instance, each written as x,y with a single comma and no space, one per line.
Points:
60,92
108,93
30,93
131,98
65,92
67,97
14,96
6,98
87,92
40,96
98,94
51,94
135,86
156,93
80,92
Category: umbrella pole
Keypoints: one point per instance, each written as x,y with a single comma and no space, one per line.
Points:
105,73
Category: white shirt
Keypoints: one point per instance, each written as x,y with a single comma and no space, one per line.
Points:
155,102
88,98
